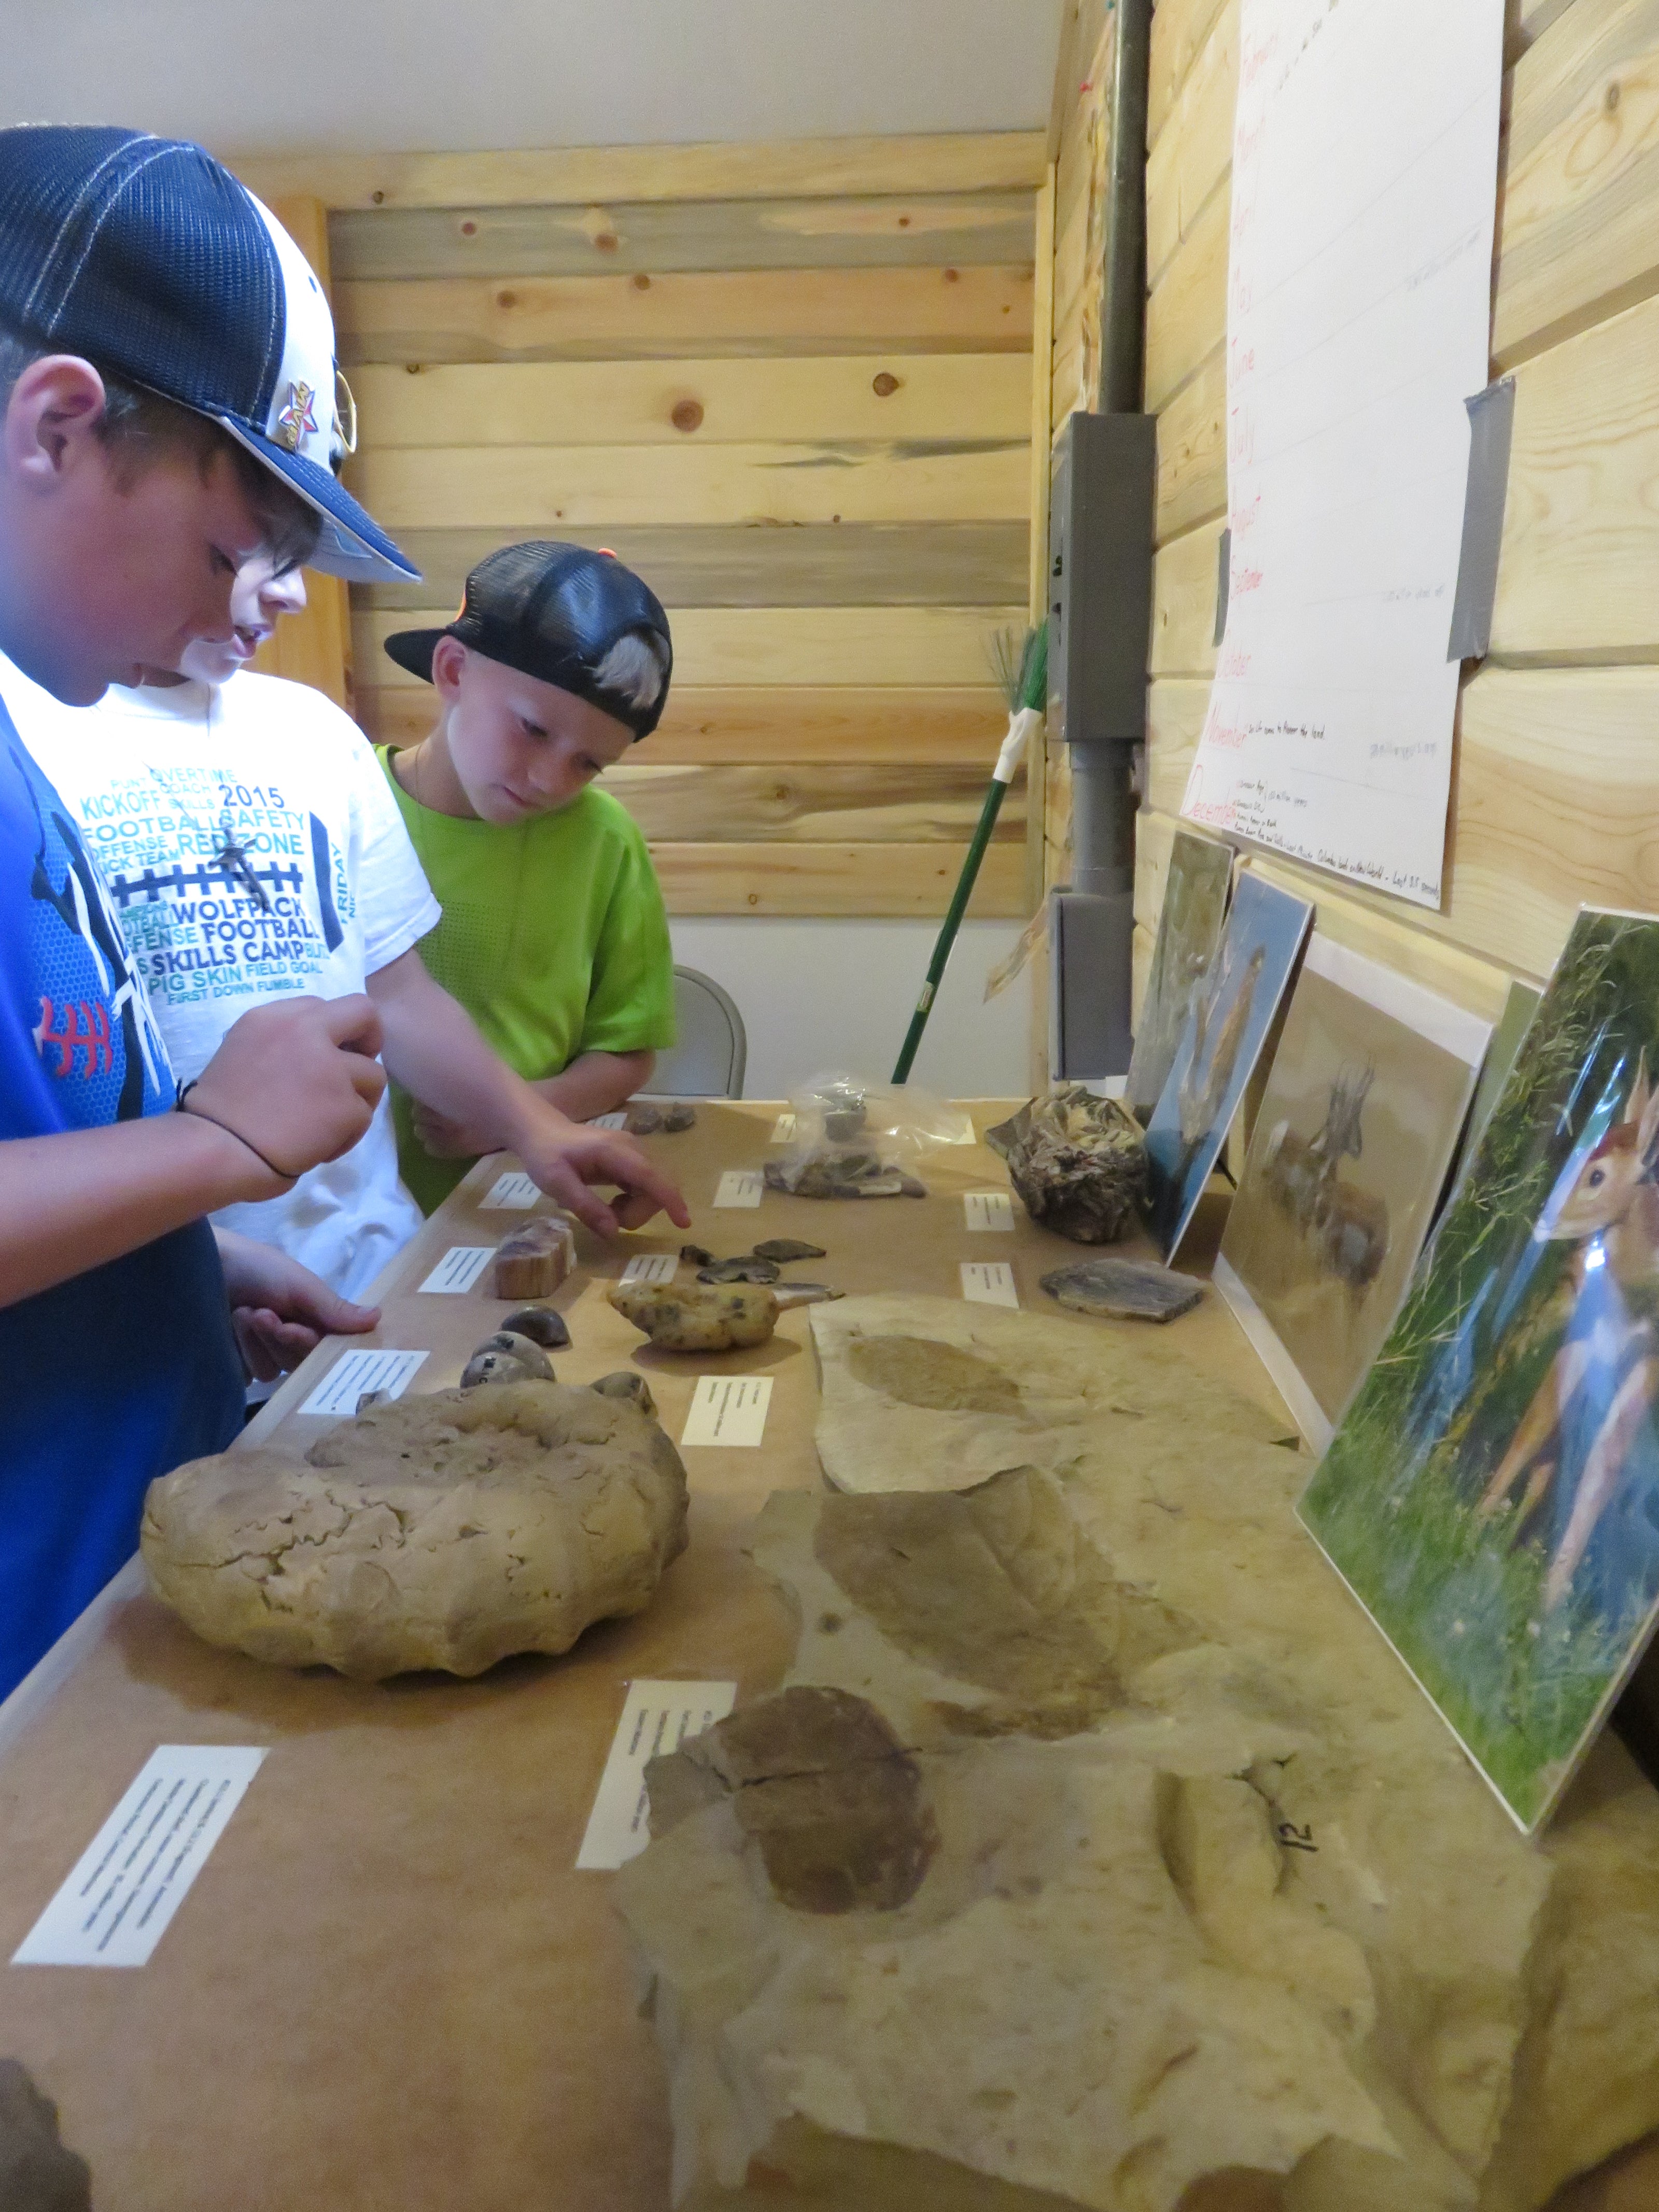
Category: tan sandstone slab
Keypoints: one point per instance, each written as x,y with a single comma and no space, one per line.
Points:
1155,1886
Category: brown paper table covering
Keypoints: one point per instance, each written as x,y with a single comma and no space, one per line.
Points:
389,1990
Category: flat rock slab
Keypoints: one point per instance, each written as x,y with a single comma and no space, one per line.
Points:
444,1531
1098,1854
1126,1290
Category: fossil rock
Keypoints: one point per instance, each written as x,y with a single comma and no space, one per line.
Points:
1200,1904
748,1270
678,1118
783,1250
1130,1289
642,1121
623,1383
1077,1162
534,1260
842,1171
822,1784
542,1325
803,1294
38,2173
718,1317
441,1531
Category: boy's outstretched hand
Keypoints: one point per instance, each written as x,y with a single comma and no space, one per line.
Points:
297,1082
571,1156
280,1310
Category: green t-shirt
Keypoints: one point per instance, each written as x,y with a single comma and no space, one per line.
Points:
554,938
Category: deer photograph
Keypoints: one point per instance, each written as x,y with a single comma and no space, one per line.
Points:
1358,1119
1571,1452
1492,1493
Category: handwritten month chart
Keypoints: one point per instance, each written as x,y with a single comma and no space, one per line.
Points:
1364,164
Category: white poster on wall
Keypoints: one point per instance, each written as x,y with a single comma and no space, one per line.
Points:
1364,166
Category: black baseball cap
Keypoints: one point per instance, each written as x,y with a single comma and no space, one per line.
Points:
552,611
148,255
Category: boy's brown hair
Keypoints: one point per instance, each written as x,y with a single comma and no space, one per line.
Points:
139,427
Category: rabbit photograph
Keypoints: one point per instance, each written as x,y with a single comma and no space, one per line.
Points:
1492,1492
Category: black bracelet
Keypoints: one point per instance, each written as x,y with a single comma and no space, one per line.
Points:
283,1175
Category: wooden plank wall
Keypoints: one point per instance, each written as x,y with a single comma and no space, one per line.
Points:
793,387
1556,790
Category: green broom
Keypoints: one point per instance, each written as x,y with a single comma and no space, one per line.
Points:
1025,686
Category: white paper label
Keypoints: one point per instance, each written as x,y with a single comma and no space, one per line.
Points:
783,1128
989,1209
728,1409
659,1717
617,1120
133,1876
461,1267
510,1193
740,1187
988,1283
651,1268
358,1372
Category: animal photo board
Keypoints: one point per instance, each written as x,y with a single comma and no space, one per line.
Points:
1492,1496
1190,925
1369,1086
1224,1030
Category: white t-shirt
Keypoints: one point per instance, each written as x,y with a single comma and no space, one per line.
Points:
169,786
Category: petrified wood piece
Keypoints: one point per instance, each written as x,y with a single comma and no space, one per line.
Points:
533,1261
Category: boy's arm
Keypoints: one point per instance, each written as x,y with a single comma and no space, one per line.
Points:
596,1083
432,1048
297,1081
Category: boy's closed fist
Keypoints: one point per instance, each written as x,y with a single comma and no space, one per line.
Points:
297,1082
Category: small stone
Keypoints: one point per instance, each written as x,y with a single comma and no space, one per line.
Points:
496,1366
624,1383
525,1349
804,1294
366,1398
699,1255
643,1120
786,1248
1077,1162
718,1318
542,1325
739,1271
677,1118
1133,1288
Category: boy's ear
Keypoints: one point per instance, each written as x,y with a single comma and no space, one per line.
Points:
448,662
52,419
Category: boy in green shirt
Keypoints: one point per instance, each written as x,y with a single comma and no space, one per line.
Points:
553,936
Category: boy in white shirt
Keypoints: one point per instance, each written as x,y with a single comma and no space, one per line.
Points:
253,851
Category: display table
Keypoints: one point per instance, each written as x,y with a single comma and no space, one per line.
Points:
389,1988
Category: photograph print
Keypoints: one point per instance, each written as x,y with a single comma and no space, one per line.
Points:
1188,930
1492,1495
1369,1086
1221,1038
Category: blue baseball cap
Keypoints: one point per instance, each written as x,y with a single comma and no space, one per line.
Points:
148,255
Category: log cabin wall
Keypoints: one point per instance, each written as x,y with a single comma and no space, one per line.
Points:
1556,784
792,385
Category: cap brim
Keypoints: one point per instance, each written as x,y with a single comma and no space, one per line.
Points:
413,649
352,544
